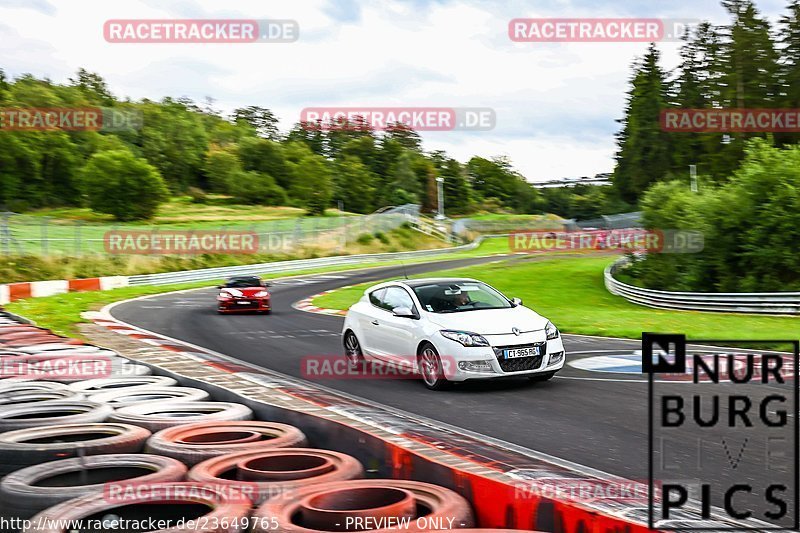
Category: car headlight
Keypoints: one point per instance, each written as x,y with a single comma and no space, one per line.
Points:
261,294
551,331
224,296
465,338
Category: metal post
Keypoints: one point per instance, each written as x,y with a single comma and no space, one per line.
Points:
440,190
693,177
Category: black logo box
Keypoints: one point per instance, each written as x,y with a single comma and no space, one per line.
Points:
676,345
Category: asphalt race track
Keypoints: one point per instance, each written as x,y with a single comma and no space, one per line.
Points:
595,415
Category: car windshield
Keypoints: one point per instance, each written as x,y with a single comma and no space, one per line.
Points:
242,283
459,296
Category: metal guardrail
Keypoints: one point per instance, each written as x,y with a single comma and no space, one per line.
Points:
774,303
208,274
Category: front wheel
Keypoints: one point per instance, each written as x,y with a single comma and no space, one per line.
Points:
430,367
352,350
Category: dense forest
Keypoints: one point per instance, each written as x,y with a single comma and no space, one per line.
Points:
748,199
186,148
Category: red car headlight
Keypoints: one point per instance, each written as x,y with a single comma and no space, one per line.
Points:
261,294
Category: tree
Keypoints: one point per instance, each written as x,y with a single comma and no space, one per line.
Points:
353,185
260,118
93,87
120,184
222,168
405,184
252,187
313,184
643,156
266,157
457,190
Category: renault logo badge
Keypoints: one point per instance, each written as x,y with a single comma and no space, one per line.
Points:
515,331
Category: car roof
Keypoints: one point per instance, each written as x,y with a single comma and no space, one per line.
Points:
417,282
232,278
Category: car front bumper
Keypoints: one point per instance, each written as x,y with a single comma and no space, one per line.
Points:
462,363
244,305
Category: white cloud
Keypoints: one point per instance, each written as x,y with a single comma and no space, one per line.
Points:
556,104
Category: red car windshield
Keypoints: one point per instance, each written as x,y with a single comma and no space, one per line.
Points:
243,283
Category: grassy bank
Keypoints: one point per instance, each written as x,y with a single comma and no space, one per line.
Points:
62,312
570,291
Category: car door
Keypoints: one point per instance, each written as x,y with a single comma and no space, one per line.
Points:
368,322
395,336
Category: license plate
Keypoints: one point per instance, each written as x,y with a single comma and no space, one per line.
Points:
521,352
243,303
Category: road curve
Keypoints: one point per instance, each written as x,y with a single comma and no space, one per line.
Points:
598,419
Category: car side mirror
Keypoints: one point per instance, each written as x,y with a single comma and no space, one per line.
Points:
265,284
516,301
404,312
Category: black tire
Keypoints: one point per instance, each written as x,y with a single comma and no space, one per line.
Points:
123,397
26,492
92,386
31,415
430,368
352,350
25,447
160,415
542,377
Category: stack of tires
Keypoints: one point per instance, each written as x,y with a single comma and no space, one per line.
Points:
109,452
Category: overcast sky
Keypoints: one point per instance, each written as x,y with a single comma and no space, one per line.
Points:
557,104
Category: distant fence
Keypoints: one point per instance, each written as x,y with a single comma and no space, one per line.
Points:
47,236
518,223
775,303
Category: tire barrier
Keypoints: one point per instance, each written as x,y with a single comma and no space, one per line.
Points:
31,415
35,488
343,506
31,386
127,396
271,473
194,443
219,510
161,415
14,397
98,385
25,447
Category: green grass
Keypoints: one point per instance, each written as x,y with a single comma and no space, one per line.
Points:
570,292
62,312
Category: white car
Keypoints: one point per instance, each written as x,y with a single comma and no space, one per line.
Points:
451,330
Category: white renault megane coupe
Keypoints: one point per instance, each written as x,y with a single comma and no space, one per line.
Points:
450,330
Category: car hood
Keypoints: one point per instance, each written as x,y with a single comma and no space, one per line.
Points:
247,292
490,321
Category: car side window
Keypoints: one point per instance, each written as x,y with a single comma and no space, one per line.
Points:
376,297
397,297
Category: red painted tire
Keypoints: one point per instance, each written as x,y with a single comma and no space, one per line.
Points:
269,473
27,492
320,507
25,447
194,443
228,513
162,415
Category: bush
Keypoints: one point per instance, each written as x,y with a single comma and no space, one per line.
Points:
366,238
120,184
257,188
197,195
382,237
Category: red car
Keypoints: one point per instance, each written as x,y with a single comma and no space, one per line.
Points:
242,294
